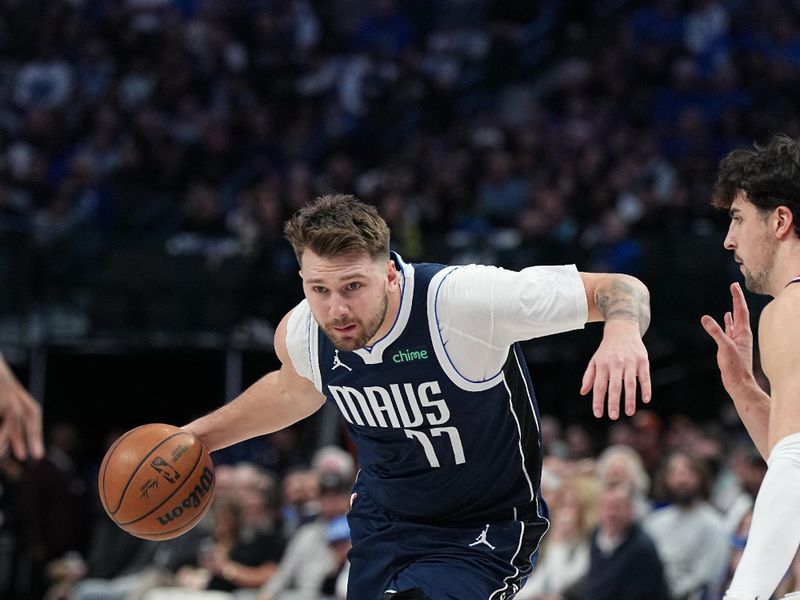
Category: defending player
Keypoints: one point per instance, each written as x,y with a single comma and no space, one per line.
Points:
422,361
761,190
20,417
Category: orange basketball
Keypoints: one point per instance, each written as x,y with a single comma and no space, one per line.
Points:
156,481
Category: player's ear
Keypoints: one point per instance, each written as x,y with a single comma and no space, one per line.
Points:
784,221
391,273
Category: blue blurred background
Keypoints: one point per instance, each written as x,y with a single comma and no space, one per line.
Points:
151,149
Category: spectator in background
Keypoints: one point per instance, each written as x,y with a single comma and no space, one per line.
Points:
564,557
646,440
337,534
300,490
55,506
245,544
309,559
748,469
623,563
10,474
618,465
737,542
253,560
689,533
118,565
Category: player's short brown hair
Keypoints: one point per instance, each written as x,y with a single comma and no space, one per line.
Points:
336,224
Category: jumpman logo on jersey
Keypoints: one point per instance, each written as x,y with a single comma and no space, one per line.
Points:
481,539
337,362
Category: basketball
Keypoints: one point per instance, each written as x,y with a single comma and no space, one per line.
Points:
156,481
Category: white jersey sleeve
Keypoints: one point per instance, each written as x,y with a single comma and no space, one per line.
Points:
479,311
774,534
301,343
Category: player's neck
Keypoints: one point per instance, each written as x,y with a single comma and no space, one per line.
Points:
786,266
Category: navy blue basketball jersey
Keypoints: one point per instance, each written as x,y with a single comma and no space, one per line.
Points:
442,407
430,448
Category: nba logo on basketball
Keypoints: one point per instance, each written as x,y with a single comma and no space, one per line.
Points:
165,469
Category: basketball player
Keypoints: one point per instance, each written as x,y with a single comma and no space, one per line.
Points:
21,425
761,190
422,361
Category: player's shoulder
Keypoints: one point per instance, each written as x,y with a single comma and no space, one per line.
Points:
293,327
784,309
297,316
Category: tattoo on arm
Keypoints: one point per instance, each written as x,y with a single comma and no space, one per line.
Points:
623,300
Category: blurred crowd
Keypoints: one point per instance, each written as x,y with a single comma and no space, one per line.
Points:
656,509
151,149
179,134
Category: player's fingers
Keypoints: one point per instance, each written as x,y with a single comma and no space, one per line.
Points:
630,391
643,373
713,329
33,428
5,425
740,311
599,391
728,324
16,436
12,422
614,392
588,378
9,422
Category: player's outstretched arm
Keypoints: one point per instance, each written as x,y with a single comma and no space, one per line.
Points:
775,530
623,302
21,424
274,402
735,361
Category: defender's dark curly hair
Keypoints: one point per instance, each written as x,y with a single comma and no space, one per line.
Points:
769,175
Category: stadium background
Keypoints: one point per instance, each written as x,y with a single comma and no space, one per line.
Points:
151,149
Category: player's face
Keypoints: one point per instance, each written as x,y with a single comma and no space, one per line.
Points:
754,247
348,296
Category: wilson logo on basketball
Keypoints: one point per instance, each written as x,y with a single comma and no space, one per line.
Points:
166,470
205,483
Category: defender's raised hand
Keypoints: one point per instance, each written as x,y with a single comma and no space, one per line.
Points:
734,343
21,417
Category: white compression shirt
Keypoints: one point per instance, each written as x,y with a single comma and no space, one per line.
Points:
479,312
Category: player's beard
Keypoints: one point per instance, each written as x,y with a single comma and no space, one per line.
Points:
758,281
364,331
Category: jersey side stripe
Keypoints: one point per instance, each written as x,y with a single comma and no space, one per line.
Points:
519,443
513,577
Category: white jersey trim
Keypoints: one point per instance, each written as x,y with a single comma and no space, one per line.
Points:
302,343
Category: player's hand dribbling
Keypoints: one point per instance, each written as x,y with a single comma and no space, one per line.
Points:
734,344
21,417
620,360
